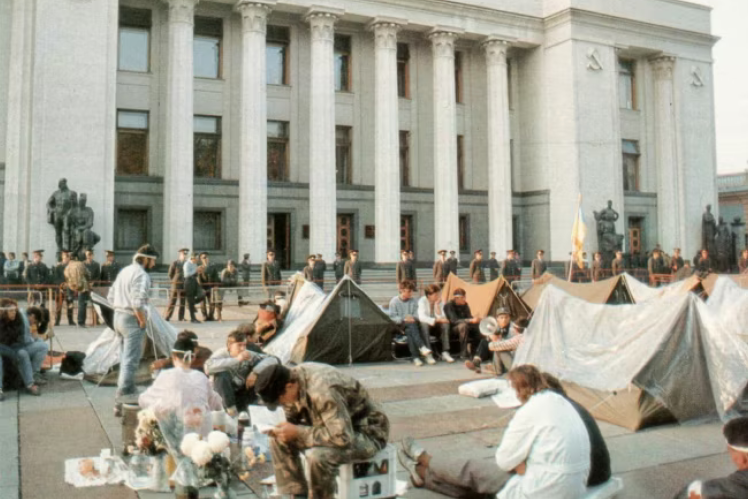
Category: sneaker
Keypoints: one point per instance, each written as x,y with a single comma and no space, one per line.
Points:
424,351
430,360
473,365
39,379
447,357
411,448
410,466
417,362
33,390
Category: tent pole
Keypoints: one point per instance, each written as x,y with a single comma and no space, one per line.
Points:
350,326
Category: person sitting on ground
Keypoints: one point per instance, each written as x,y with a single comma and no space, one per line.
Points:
330,417
38,318
404,312
734,486
504,338
17,347
431,318
200,355
230,369
253,339
182,388
545,446
463,323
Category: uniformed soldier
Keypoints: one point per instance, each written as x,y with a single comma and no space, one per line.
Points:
36,274
704,263
176,277
93,267
330,417
509,267
338,267
318,271
617,265
229,278
676,261
24,262
309,269
64,297
656,266
109,269
441,267
538,266
493,266
476,268
453,263
245,267
207,277
598,272
353,267
405,271
270,273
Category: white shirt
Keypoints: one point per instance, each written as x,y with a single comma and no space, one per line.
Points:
189,269
425,315
130,290
547,434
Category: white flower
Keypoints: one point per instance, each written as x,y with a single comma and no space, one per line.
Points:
188,443
201,453
218,441
147,417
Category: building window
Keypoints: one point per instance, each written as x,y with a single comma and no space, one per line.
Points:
131,228
207,47
404,159
207,149
343,161
464,234
134,39
132,143
458,77
460,162
278,151
276,50
342,63
630,165
626,84
403,70
207,231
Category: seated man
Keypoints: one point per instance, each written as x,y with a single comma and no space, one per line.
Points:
404,312
462,322
199,355
503,341
330,417
545,445
268,321
230,370
734,486
431,318
176,390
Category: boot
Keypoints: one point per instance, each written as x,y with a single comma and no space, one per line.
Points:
70,317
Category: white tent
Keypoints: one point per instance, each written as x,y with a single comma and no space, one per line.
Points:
729,303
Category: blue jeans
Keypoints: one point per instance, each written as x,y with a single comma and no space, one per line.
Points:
415,340
126,325
83,298
20,356
37,351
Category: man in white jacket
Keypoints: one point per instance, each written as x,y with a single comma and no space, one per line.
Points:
431,318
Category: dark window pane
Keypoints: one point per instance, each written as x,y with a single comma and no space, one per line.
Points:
132,152
464,233
207,156
132,228
342,63
460,162
343,155
133,49
134,18
458,77
630,150
405,159
403,76
277,151
207,231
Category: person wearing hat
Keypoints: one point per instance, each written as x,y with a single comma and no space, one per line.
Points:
37,274
676,261
492,264
509,270
656,266
176,277
441,267
193,293
538,266
175,390
353,267
500,339
309,269
229,278
477,275
330,417
338,266
598,272
318,271
128,296
245,267
270,273
735,485
405,271
703,264
208,279
109,269
462,322
617,266
453,262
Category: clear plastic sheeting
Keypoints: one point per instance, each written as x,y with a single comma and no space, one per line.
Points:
729,302
672,347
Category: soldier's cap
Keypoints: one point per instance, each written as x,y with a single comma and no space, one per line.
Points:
656,250
246,255
676,249
619,252
271,252
184,250
271,383
147,251
354,251
503,311
493,252
319,255
452,252
230,262
540,252
38,252
478,251
736,433
509,251
204,253
442,252
311,257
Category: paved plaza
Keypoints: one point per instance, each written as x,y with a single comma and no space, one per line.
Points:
74,419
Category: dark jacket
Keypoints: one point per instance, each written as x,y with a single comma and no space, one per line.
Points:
456,313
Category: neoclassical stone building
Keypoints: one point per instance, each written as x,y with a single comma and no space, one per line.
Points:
316,125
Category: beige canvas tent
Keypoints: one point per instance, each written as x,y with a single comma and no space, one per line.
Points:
484,299
611,291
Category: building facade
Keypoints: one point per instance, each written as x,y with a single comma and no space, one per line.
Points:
733,206
233,126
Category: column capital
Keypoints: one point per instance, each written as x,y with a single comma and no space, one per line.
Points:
181,11
322,21
385,31
254,14
496,49
443,40
663,66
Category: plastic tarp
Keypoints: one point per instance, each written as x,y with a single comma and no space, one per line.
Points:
343,327
729,303
484,299
611,290
672,351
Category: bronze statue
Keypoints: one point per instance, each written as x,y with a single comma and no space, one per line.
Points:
58,207
72,219
607,239
723,242
81,220
708,230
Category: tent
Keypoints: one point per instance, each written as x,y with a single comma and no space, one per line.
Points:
343,327
613,291
484,299
729,303
667,359
103,354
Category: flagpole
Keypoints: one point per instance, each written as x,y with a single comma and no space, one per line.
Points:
573,236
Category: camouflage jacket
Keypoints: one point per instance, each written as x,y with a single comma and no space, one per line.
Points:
333,407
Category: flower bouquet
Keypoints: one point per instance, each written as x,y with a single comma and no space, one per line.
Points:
209,457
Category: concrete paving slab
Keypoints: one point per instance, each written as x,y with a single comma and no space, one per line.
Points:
407,408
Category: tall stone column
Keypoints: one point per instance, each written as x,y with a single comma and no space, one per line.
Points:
178,129
253,185
669,209
322,194
386,141
446,199
499,159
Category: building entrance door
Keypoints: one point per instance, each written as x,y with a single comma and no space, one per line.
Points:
406,233
345,234
635,234
279,237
